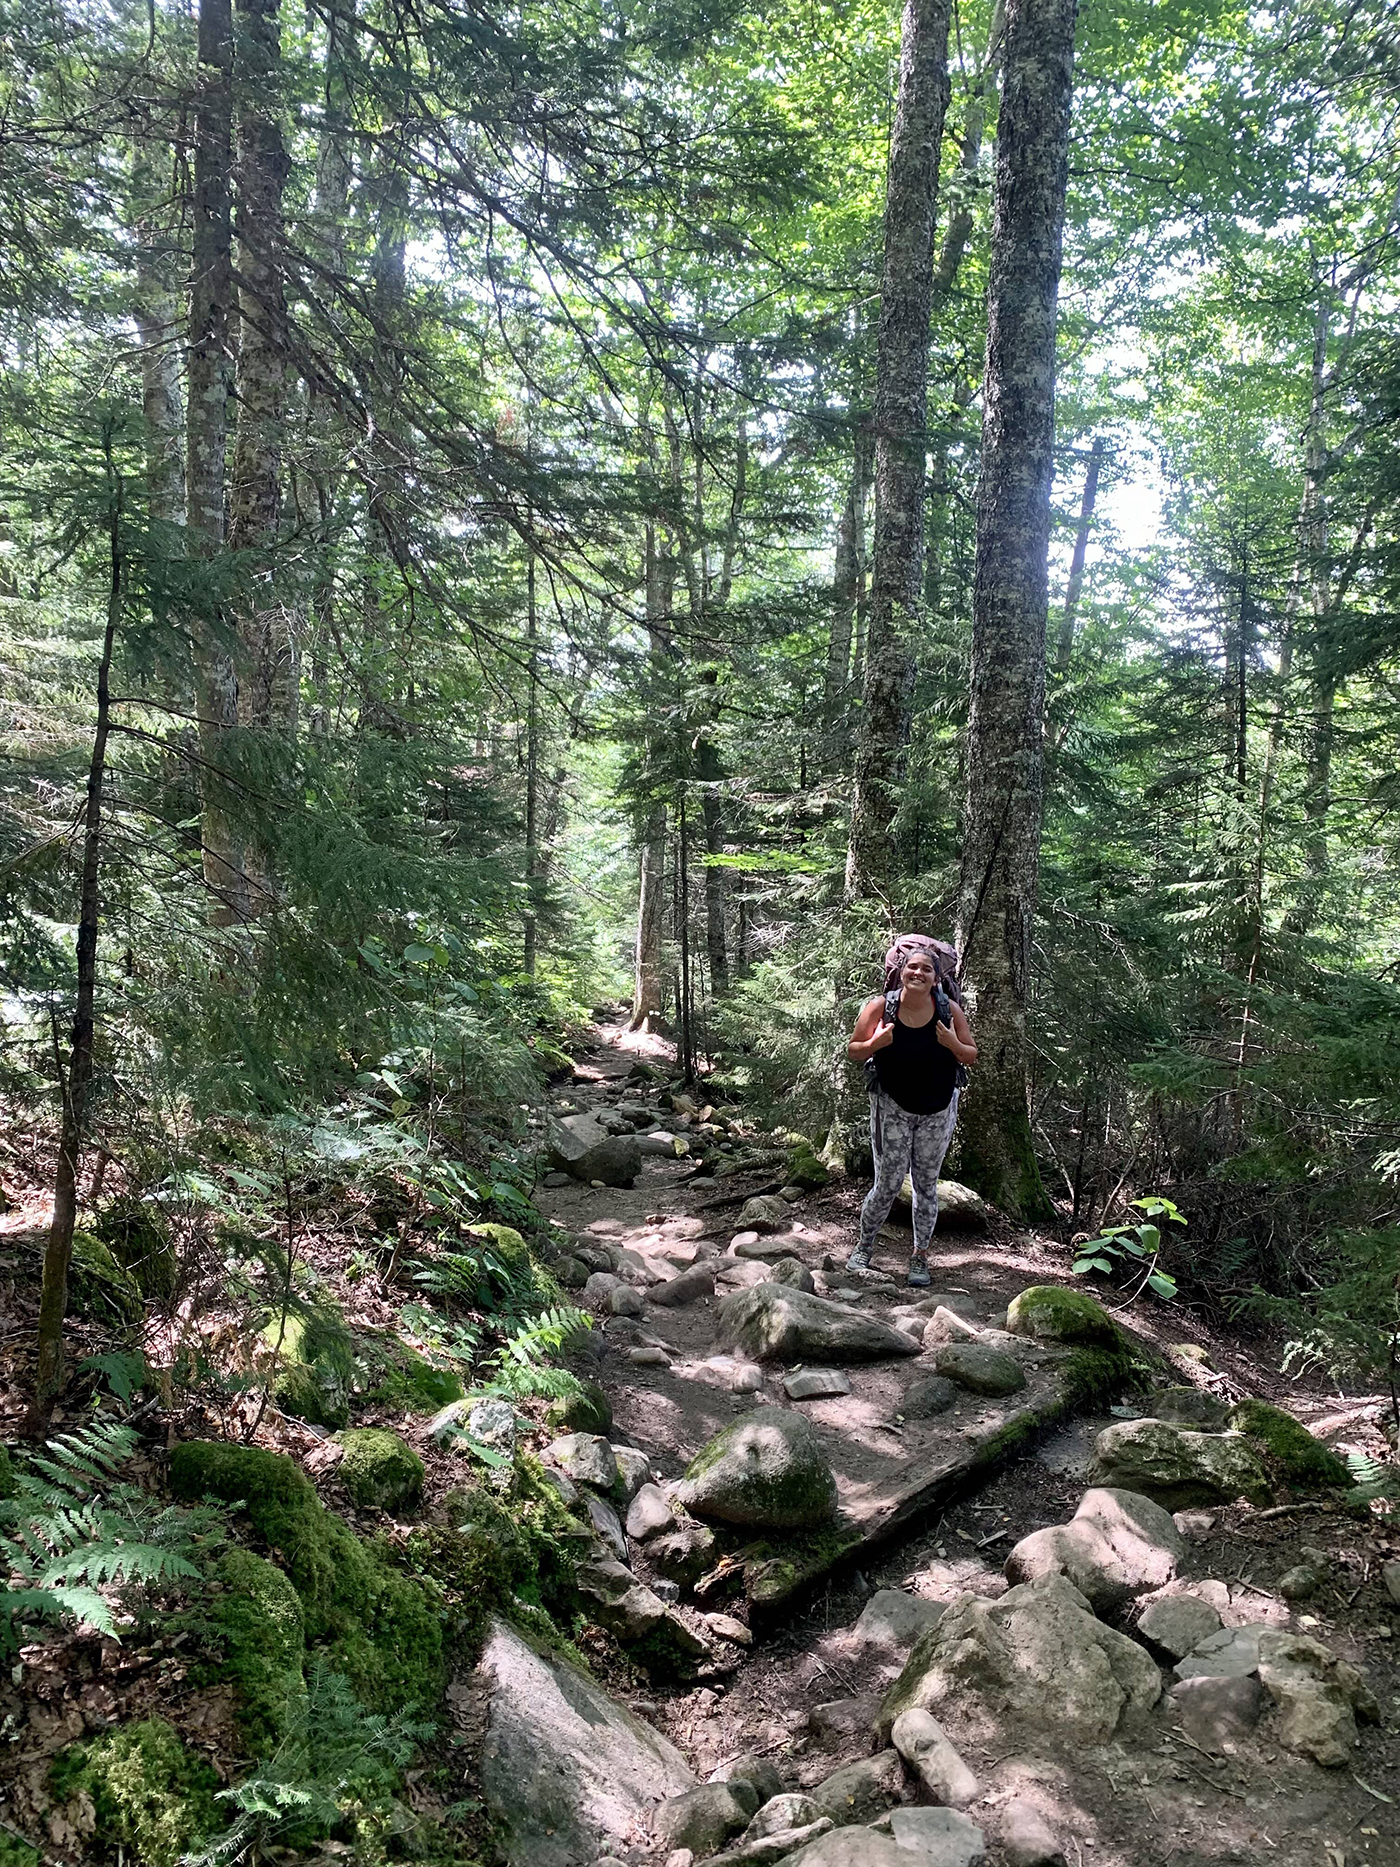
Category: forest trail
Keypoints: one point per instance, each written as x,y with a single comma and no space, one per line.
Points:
931,1508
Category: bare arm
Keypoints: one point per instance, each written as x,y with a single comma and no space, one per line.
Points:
871,1032
958,1039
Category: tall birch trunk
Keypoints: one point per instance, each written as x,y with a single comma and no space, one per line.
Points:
846,590
1001,838
901,421
267,625
206,435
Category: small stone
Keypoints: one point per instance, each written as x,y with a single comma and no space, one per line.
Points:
556,1179
1026,1837
683,1554
649,1514
1216,1712
664,1590
1233,1653
754,1769
648,1358
587,1458
765,1212
782,1812
606,1523
862,1789
633,1470
625,1301
929,1396
794,1273
1176,1623
1194,1525
1390,1576
938,1837
790,1193
926,1748
984,1370
892,1621
689,1287
704,1818
946,1325
599,1288
816,1383
729,1629
680,1857
1300,1582
742,1238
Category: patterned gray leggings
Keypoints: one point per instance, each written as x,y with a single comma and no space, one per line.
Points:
904,1143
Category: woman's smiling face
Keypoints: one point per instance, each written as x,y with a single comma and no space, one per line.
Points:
917,974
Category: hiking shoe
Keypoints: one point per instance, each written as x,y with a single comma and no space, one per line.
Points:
861,1258
918,1271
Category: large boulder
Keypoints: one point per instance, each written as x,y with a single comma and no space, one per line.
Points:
1040,1653
776,1322
581,1146
1049,1313
1117,1545
860,1790
1178,1467
850,1847
765,1212
767,1471
959,1208
565,1771
703,1819
1316,1696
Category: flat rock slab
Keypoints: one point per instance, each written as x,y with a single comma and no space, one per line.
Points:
566,1771
774,1322
938,1838
983,1370
816,1383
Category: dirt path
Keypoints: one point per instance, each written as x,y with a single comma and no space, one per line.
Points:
934,1512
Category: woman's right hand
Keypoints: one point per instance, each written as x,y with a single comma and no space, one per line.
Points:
883,1038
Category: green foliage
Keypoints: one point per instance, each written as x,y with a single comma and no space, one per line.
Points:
1133,1248
17,1853
317,1364
1373,1482
1348,1322
334,1760
521,1369
139,1238
384,1631
124,1372
150,1793
76,1540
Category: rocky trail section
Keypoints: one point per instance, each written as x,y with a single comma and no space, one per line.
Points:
767,1428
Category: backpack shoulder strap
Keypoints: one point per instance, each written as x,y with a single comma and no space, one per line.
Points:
892,998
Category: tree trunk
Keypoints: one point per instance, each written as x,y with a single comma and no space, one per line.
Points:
651,912
532,766
846,590
1064,648
711,774
77,1081
963,191
1001,839
157,314
267,626
206,431
901,421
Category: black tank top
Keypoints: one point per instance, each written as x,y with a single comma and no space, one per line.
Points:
917,1071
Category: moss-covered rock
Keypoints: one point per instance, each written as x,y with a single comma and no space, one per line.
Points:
1288,1448
7,1474
99,1287
150,1793
588,1411
768,1470
415,1385
805,1170
1096,1374
316,1366
380,1470
261,1628
507,1246
138,1237
383,1628
1050,1313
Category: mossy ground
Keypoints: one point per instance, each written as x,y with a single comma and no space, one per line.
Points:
587,1411
262,1631
415,1385
382,1629
149,1792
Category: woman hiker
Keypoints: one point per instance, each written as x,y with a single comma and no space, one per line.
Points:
912,1041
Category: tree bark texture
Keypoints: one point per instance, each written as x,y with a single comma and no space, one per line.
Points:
267,625
158,315
901,421
206,436
1001,837
651,911
77,1081
847,589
